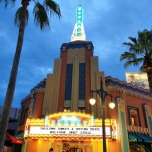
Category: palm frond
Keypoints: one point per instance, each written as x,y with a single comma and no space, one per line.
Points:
140,50
134,62
19,16
145,38
52,8
134,48
127,56
128,44
7,2
133,39
137,47
40,17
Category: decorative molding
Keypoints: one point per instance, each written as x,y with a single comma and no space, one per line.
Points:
132,110
34,92
63,49
67,103
138,129
128,92
30,107
38,90
148,111
25,98
83,137
89,47
121,104
39,85
125,85
80,44
81,103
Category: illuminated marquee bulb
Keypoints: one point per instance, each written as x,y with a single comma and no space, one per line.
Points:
46,120
59,122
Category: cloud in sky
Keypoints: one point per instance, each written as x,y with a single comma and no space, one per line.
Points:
107,24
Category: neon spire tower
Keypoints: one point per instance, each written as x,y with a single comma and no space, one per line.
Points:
78,32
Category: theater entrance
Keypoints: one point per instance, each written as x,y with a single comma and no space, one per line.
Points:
76,147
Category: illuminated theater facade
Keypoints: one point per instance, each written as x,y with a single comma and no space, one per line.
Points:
57,112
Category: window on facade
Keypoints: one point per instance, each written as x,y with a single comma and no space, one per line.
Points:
134,116
68,85
132,121
82,81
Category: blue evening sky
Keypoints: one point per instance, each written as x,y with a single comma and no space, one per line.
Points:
107,23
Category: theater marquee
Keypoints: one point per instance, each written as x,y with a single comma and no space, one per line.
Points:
69,125
69,130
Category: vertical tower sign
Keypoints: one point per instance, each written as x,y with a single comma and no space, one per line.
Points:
78,32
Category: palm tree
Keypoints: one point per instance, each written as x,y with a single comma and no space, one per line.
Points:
21,18
140,53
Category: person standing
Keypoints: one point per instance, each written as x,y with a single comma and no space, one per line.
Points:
51,150
4,149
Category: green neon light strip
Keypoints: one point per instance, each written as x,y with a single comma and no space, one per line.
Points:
79,14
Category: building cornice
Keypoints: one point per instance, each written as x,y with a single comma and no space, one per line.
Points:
126,88
128,92
80,44
33,92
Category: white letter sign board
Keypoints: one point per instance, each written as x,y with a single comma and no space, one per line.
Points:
69,130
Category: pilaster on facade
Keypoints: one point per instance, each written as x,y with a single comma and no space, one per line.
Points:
50,103
122,133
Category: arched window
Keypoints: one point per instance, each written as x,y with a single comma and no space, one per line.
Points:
134,116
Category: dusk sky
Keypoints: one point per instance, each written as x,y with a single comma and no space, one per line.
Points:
107,23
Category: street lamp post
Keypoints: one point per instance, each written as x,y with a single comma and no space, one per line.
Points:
102,94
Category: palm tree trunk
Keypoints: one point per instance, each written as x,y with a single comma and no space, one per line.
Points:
12,82
149,75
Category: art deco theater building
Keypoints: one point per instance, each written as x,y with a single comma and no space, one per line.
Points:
57,113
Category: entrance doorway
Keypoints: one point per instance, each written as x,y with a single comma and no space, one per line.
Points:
76,147
88,148
57,147
72,147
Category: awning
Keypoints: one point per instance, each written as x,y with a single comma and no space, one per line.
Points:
132,138
139,137
11,139
20,135
132,135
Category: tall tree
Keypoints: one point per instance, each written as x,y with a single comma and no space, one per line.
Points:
41,20
140,53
